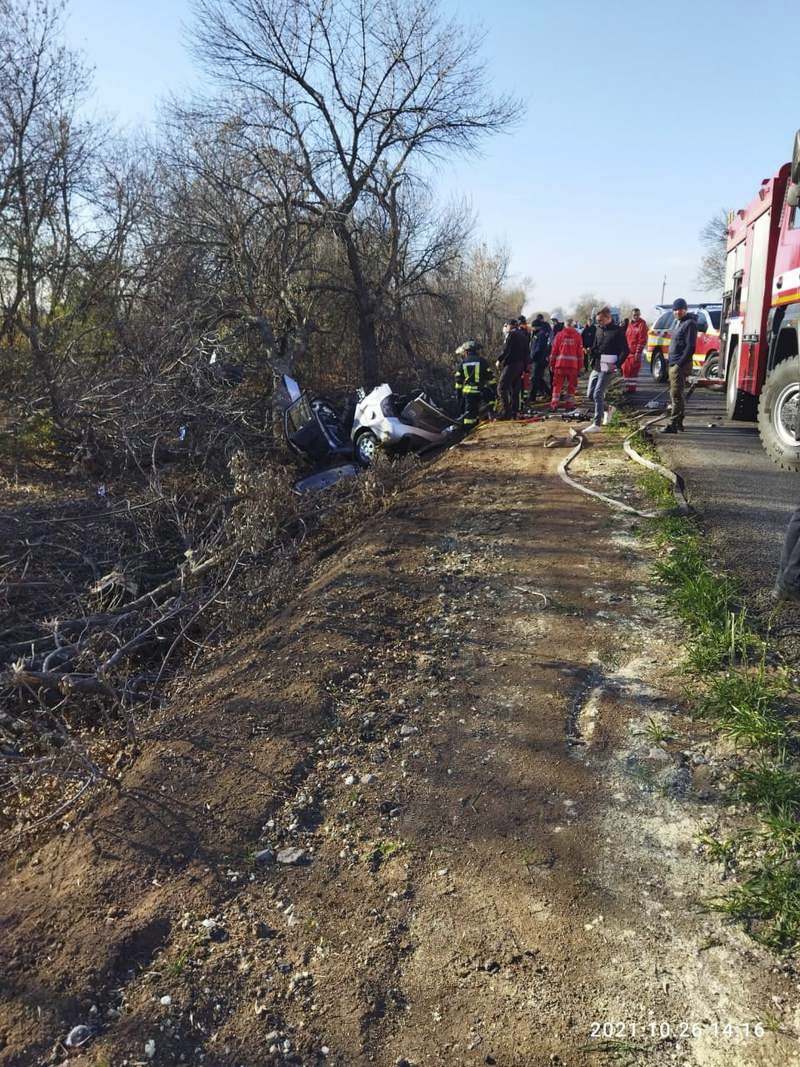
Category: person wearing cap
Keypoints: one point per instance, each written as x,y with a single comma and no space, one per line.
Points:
681,351
512,362
475,383
636,336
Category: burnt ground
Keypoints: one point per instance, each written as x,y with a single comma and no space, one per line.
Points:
453,724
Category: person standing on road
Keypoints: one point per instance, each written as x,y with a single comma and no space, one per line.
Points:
540,347
608,353
475,383
787,584
512,363
565,364
681,351
636,337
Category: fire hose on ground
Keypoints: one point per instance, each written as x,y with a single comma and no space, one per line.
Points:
678,485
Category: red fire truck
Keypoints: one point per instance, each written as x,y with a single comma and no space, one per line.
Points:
761,314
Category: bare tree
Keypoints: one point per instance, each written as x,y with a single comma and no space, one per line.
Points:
356,91
44,160
586,305
713,238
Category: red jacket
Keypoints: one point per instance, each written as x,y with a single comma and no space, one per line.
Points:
636,336
567,349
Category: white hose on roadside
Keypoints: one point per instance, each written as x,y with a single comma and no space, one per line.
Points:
678,486
562,473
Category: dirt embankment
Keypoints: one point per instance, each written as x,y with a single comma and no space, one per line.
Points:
420,817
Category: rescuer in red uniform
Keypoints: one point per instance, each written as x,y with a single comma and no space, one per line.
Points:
566,359
636,336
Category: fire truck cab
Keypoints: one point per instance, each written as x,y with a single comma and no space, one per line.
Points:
761,314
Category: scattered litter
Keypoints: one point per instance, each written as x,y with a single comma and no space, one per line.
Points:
78,1036
291,856
325,479
150,1048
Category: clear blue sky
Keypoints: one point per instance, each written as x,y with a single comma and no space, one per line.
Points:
636,131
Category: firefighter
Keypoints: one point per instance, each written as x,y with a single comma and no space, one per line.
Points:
476,385
565,364
636,336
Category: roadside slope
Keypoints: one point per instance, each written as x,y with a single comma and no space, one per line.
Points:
448,722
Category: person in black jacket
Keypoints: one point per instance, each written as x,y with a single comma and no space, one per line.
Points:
608,354
587,336
512,362
681,351
540,350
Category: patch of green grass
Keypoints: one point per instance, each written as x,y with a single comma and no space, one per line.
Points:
657,732
177,965
615,1047
774,787
656,487
719,849
389,848
715,646
742,703
767,902
735,690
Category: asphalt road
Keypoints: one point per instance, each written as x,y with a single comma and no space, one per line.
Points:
743,500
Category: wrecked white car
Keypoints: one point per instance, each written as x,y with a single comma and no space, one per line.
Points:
382,419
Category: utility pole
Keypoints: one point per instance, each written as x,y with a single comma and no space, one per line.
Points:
663,288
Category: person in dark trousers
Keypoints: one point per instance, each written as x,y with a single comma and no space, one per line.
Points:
681,350
787,583
587,336
512,362
476,385
540,350
608,354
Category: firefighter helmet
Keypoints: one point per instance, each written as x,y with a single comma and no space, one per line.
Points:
469,348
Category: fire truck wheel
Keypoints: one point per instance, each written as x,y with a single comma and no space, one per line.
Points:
778,414
711,369
659,367
740,406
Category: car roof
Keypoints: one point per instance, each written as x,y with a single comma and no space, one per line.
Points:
711,306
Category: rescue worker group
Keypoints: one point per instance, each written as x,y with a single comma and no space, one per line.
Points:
541,361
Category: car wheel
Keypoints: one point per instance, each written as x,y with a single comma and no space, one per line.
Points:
778,415
740,406
366,446
711,369
659,367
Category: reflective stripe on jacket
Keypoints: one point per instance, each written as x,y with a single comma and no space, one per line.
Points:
473,376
